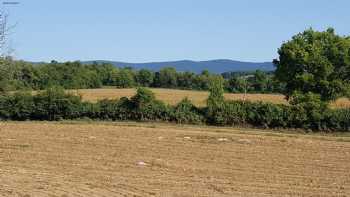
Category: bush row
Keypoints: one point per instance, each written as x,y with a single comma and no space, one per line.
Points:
267,115
55,104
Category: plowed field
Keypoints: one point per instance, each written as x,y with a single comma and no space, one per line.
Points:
133,159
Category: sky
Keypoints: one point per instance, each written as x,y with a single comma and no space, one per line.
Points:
165,30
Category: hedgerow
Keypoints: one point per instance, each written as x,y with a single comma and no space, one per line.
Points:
54,104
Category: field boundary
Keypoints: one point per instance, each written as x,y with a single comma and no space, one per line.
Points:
290,133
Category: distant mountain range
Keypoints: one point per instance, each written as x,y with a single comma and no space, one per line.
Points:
214,66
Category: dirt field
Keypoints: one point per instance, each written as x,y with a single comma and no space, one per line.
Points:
173,96
134,159
197,97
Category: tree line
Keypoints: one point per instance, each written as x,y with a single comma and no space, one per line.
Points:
19,75
55,104
313,66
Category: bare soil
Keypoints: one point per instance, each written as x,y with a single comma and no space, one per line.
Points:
133,159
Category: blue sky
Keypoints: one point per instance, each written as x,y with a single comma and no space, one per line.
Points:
158,30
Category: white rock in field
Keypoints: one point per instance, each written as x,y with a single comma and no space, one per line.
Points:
141,163
222,139
160,138
187,138
92,137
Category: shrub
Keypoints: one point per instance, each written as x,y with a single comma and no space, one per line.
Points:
297,117
306,111
144,106
89,111
336,120
116,109
266,115
215,101
143,97
21,106
216,93
18,106
229,113
107,109
312,105
55,104
185,112
4,107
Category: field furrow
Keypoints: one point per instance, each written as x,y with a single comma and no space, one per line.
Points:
135,159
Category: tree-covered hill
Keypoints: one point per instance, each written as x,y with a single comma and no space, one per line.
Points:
213,66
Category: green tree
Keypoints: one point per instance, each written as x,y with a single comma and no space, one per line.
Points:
124,78
168,77
215,101
143,97
237,84
202,81
316,62
104,72
205,73
260,81
185,80
216,92
68,75
13,74
145,77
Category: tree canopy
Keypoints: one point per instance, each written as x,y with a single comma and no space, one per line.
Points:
20,75
315,62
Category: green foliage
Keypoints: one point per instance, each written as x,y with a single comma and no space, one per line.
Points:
145,78
187,80
317,62
114,110
260,81
19,75
104,72
229,113
216,93
4,110
306,112
16,75
55,104
70,75
336,120
252,82
21,106
267,115
215,101
3,87
308,101
146,107
18,106
237,84
167,78
143,98
311,105
155,111
124,78
185,113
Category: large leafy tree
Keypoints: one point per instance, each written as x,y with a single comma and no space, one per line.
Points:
124,78
185,80
260,81
168,77
216,92
315,62
237,84
145,77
